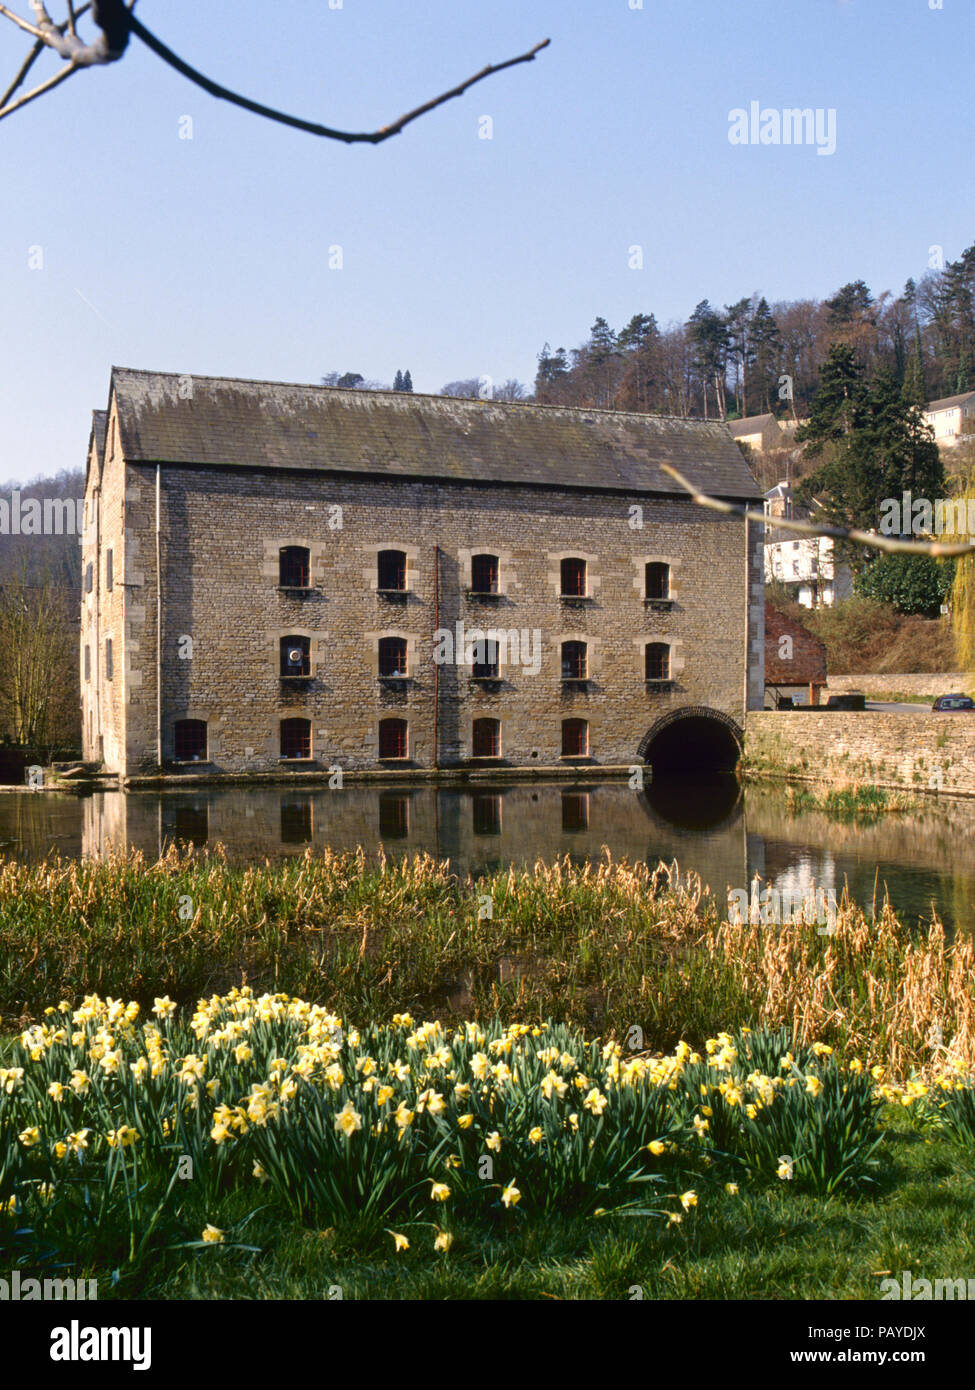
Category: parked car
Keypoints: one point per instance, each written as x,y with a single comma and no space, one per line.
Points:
944,702
852,699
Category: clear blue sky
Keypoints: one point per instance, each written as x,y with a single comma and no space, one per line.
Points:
461,255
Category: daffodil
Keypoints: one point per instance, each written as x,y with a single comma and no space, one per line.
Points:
439,1192
688,1200
212,1235
348,1120
510,1196
443,1241
595,1102
399,1242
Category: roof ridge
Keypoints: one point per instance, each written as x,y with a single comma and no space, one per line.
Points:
426,395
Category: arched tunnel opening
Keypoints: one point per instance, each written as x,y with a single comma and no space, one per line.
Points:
699,743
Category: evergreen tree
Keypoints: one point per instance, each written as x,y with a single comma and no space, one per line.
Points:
873,445
709,338
552,376
407,381
738,324
838,402
639,344
398,381
767,354
850,304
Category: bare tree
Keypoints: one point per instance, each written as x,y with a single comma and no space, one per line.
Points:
116,23
39,674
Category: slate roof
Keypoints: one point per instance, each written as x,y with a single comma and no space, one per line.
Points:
221,422
99,424
949,402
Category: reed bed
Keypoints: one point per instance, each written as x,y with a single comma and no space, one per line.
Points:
608,946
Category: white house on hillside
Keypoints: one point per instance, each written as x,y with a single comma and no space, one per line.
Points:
951,418
804,564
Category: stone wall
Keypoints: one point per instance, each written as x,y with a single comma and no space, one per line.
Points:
909,683
923,752
106,610
221,532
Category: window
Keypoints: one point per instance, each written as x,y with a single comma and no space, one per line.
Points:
109,576
392,570
88,663
657,661
484,574
190,740
392,657
89,577
575,738
487,738
485,665
657,580
294,563
575,661
393,738
295,656
574,578
109,663
295,738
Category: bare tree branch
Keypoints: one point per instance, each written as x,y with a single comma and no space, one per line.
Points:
116,22
30,60
53,81
112,18
22,23
810,528
368,137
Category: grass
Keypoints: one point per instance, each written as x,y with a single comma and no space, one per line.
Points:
849,803
283,1199
761,1244
609,947
644,956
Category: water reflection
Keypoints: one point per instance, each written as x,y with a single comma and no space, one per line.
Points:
711,826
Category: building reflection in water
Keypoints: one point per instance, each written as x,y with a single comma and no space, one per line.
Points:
575,812
712,827
486,813
296,822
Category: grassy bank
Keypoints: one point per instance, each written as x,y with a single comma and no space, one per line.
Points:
608,947
266,1148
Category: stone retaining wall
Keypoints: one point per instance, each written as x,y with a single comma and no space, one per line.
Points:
909,683
923,752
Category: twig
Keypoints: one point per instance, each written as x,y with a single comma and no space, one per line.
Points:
53,81
31,58
116,22
810,528
372,137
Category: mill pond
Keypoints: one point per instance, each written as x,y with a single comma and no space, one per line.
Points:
712,826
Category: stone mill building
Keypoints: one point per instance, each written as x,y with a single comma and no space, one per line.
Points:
283,578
